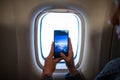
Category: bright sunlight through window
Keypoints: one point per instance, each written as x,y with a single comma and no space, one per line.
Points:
47,23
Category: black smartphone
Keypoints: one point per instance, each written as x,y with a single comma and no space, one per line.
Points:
60,42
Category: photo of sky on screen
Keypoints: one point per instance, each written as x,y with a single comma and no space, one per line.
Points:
60,42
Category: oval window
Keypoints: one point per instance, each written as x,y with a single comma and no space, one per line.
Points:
49,21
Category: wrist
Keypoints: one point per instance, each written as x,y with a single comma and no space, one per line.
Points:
73,71
46,73
47,78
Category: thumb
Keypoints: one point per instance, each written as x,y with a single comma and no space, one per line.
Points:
57,60
63,56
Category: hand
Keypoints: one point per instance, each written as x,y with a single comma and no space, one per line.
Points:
50,63
69,60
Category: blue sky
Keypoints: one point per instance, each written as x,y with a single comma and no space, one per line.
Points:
61,43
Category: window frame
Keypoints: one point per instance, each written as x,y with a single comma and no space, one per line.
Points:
63,11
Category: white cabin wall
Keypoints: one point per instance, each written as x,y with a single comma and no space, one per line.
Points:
98,14
8,43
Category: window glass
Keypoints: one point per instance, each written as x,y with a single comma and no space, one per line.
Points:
50,21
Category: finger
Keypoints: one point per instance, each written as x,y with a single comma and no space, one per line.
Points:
63,56
57,60
70,52
51,50
70,45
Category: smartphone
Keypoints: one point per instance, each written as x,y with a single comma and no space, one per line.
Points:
60,42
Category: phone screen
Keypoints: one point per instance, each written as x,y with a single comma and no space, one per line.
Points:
60,42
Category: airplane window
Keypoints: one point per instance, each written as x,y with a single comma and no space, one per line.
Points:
49,21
